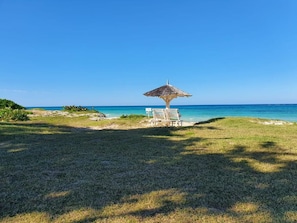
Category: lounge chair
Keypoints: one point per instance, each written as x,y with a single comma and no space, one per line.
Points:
173,116
158,116
167,116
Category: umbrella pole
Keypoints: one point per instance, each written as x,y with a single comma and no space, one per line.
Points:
167,104
168,99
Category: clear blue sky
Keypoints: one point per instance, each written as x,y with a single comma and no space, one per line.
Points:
98,52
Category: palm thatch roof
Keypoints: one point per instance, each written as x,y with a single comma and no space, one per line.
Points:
167,93
167,90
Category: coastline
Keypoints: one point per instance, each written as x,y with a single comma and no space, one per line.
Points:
198,113
97,122
95,117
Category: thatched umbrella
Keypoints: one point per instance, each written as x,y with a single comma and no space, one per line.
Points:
167,93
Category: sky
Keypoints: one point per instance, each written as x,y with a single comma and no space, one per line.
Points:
100,53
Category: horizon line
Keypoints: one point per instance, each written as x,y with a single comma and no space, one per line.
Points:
43,106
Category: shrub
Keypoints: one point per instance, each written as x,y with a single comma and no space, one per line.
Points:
133,116
9,114
4,103
74,108
11,111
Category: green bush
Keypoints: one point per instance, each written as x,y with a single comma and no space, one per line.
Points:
133,116
4,103
11,111
9,114
74,108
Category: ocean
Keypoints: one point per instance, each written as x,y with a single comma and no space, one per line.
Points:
196,113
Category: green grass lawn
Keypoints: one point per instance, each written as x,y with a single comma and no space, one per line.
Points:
227,170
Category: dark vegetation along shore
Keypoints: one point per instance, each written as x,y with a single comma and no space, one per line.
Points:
69,168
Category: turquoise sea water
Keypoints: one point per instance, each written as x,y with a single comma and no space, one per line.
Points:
196,113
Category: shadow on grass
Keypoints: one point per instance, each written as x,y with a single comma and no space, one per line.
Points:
209,121
61,170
